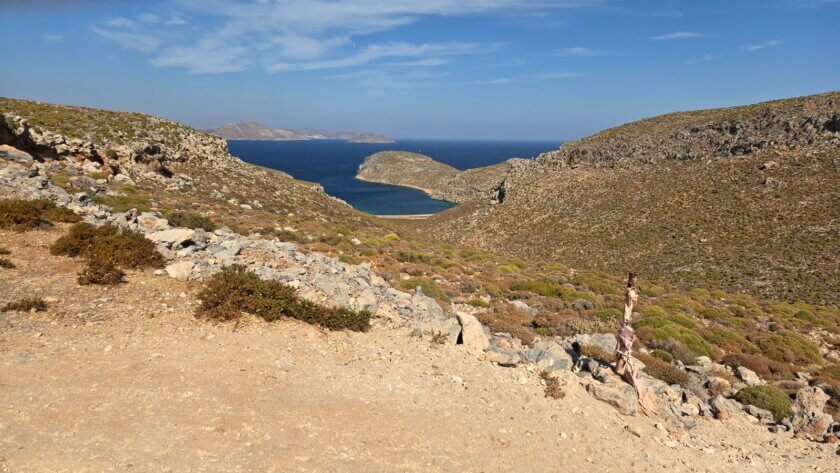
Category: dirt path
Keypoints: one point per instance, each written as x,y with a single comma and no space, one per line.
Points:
125,379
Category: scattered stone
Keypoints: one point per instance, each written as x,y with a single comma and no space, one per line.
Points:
748,376
182,270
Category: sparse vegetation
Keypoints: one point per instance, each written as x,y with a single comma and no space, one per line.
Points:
552,386
663,370
103,273
235,290
190,220
27,304
6,263
22,215
123,248
428,286
596,353
766,397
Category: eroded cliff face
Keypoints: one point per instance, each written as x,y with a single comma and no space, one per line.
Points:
779,125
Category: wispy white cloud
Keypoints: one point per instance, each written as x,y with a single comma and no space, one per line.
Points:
382,81
702,59
293,35
679,35
499,81
53,37
557,75
580,51
130,39
379,51
758,46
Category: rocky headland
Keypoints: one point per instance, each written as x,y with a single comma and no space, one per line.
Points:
438,180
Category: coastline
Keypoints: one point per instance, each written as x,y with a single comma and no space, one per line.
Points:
405,217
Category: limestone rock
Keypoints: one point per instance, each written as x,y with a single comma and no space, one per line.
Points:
809,416
472,334
619,395
182,270
748,376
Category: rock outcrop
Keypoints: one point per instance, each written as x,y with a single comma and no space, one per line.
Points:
438,180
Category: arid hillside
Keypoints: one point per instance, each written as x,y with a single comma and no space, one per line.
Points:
744,199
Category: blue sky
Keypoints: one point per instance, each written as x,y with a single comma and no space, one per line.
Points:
487,69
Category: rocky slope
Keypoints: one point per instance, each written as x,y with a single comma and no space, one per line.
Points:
464,355
437,179
743,199
253,131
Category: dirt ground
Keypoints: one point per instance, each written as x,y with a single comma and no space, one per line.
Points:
126,379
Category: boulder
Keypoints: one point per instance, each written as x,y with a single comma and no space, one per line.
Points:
604,341
619,395
524,307
503,357
14,154
472,334
763,415
724,408
174,238
748,376
809,416
181,270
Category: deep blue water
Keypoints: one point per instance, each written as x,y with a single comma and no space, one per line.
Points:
333,164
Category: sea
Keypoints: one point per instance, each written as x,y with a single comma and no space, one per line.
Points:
334,163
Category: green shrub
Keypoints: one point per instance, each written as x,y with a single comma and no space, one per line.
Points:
6,263
663,370
507,268
103,273
791,348
412,257
190,220
21,215
26,305
730,341
428,286
767,397
124,248
479,303
236,289
609,315
662,355
831,371
807,316
131,199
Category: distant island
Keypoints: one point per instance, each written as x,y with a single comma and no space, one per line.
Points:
257,131
438,180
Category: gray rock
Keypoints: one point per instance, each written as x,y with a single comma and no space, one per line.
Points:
13,154
619,395
174,238
503,357
809,416
763,415
181,270
748,376
724,408
524,307
604,341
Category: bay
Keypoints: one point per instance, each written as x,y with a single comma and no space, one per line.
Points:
333,164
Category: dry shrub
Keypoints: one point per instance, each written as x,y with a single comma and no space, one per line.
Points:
236,289
596,353
514,322
22,215
103,273
4,251
763,367
190,220
662,370
6,263
552,386
123,248
26,305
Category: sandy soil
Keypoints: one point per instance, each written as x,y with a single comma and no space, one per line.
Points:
126,379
